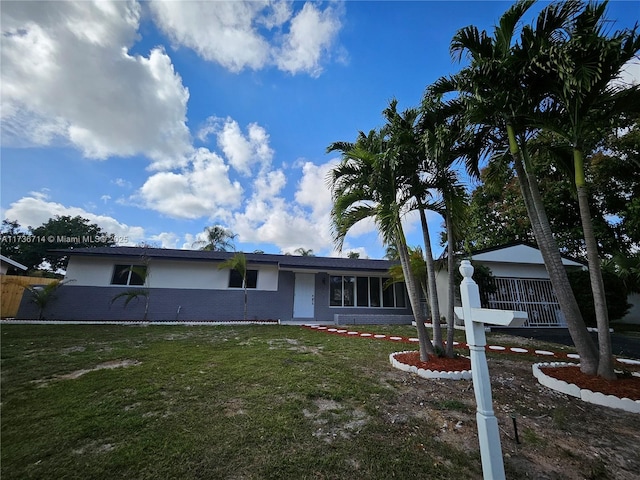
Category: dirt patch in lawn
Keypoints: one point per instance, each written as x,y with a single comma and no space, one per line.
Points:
78,373
558,436
293,345
333,420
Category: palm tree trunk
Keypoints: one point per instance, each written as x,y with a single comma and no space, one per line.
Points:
605,363
451,283
146,308
431,279
553,261
426,348
244,282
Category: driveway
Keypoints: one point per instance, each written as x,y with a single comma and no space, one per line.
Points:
622,344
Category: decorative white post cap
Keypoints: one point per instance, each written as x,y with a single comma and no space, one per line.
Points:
466,269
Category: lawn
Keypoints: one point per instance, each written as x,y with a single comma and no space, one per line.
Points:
237,402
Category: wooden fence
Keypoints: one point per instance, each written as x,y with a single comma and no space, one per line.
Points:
12,290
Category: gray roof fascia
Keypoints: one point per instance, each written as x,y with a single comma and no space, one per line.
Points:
284,262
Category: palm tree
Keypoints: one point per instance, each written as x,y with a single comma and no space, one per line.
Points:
304,252
443,136
218,239
409,156
391,252
238,263
500,95
141,271
364,185
586,100
42,295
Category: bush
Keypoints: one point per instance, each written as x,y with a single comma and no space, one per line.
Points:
615,292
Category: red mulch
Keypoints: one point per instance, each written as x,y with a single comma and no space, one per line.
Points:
440,364
623,387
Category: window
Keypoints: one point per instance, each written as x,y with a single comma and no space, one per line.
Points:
235,279
374,291
401,299
363,291
335,291
348,294
129,275
348,291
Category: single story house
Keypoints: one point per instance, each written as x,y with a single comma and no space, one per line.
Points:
188,285
521,281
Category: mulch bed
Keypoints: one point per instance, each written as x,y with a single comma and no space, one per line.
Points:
440,364
623,387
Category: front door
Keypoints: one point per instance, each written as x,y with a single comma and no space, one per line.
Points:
304,295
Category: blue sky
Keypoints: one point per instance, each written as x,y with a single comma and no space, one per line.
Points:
156,119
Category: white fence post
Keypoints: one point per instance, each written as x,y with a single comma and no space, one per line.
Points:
475,317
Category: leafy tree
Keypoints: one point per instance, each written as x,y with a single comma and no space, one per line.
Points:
238,263
497,213
353,255
627,268
59,232
218,239
10,248
615,290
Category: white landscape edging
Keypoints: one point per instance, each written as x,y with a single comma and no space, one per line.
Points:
421,372
585,395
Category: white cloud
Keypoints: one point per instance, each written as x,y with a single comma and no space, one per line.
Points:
222,32
202,189
242,151
312,190
311,34
165,239
35,210
67,77
122,183
233,33
269,218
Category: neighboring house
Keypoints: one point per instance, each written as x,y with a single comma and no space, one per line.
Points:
187,285
6,263
521,280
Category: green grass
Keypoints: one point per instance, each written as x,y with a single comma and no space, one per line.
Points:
209,402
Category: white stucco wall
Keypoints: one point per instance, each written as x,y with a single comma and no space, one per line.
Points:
516,270
89,271
174,274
